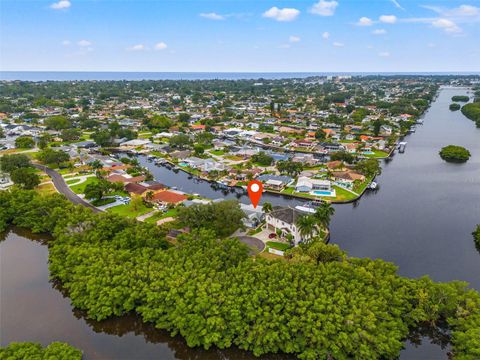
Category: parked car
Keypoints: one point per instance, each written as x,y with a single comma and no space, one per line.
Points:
272,236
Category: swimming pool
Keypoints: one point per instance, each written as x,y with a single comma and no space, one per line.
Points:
182,164
323,193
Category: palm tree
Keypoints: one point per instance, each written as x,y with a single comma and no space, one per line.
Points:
307,226
149,195
267,207
324,213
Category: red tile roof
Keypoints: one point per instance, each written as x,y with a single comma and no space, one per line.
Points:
123,179
169,197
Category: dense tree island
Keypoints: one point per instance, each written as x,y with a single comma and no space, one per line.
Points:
454,153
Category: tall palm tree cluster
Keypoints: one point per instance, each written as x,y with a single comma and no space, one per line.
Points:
311,225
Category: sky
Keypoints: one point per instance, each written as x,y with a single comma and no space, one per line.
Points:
240,36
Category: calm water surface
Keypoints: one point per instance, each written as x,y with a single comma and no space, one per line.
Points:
421,218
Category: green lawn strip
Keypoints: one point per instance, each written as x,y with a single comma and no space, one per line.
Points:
103,201
80,188
342,194
127,210
377,154
278,245
217,152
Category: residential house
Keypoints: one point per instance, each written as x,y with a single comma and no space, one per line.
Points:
285,219
169,197
306,185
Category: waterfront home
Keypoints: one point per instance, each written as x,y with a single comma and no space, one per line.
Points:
306,143
306,185
125,178
347,178
307,159
180,155
134,143
285,219
168,197
329,147
253,216
275,182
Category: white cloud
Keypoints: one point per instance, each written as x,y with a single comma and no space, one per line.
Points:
293,39
285,14
84,43
338,44
160,46
324,8
397,4
62,4
431,45
66,42
465,10
448,25
212,16
365,21
379,32
388,19
461,11
138,47
326,35
384,54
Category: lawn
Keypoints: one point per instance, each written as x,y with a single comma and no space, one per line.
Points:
129,211
72,181
342,194
278,245
377,154
161,215
103,201
80,188
217,152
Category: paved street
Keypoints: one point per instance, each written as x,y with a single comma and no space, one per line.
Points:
63,188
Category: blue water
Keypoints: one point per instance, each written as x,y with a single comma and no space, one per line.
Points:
322,192
92,75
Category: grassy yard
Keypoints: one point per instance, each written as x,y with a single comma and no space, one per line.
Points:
161,215
278,245
102,202
80,188
129,211
217,152
377,154
342,194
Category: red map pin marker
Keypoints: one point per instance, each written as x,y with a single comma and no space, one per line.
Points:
255,189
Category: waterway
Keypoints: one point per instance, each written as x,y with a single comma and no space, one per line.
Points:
420,218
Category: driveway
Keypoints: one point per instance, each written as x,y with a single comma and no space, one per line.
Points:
63,188
252,242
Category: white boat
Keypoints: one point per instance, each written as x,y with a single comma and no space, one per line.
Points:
401,146
373,185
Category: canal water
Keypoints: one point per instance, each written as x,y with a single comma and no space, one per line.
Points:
420,218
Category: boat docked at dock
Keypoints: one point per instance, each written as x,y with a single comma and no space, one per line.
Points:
401,146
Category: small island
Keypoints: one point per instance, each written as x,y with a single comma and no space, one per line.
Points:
476,236
454,153
455,106
461,98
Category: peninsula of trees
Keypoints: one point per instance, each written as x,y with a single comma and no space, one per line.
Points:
210,291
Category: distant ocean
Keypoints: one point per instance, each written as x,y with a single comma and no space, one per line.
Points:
74,75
